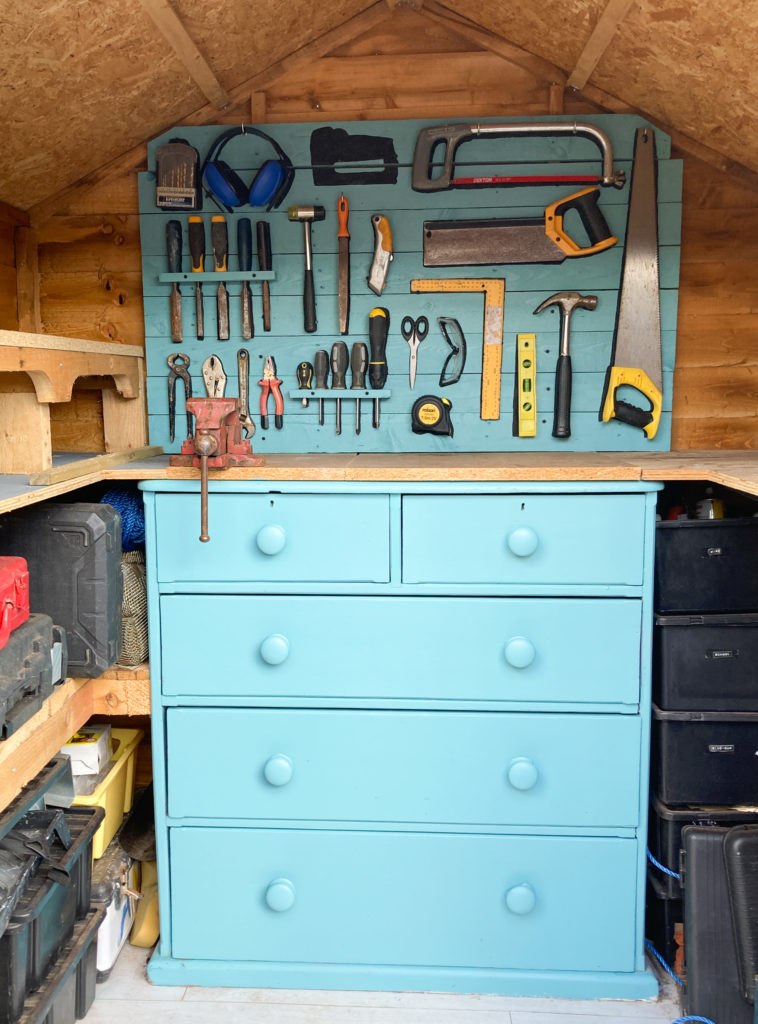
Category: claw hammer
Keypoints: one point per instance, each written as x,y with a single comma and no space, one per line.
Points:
567,302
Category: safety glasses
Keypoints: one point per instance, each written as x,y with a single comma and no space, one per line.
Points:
456,359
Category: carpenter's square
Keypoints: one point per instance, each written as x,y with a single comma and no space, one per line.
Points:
636,356
174,259
493,289
245,256
220,245
196,237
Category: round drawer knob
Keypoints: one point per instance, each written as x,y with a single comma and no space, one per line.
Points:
522,541
522,773
270,539
519,652
275,649
280,895
521,899
278,770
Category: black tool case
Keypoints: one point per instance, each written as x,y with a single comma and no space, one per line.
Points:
741,862
26,672
74,556
704,757
664,916
712,987
706,565
706,662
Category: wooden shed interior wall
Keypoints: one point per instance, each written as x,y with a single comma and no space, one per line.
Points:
79,262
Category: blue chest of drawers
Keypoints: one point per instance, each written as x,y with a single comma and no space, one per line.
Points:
400,735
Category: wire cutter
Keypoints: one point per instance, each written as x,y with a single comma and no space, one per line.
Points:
271,383
214,377
174,371
414,332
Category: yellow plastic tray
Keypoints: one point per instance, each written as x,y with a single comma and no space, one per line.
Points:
115,794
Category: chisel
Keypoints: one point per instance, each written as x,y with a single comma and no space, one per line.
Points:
220,246
174,256
378,328
245,256
196,234
343,280
263,235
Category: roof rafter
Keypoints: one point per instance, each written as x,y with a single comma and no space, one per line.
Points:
598,42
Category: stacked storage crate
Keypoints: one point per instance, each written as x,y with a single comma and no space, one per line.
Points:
704,768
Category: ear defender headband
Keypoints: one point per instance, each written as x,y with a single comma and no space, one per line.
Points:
271,184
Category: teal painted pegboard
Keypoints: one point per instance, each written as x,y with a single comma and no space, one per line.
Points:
526,286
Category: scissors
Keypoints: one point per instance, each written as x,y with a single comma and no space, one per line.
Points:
414,332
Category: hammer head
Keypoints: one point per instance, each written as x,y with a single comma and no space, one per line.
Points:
568,302
306,213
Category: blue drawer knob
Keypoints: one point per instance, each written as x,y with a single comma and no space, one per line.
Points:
280,895
519,652
521,899
275,649
522,773
278,770
522,541
270,539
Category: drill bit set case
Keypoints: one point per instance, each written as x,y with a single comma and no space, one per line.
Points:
410,201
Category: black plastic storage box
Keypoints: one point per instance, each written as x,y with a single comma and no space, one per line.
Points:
706,662
26,672
74,557
664,918
706,565
665,826
704,757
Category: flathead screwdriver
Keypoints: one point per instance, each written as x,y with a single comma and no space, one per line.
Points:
321,373
378,328
339,363
358,367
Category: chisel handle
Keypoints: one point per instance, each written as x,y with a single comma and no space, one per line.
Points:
562,408
245,244
196,238
174,246
263,237
219,242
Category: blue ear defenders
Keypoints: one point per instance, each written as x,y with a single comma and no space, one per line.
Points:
271,184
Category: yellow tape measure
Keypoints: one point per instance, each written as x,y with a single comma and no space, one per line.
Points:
525,396
493,289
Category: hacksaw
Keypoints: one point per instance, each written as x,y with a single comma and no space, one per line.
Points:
493,289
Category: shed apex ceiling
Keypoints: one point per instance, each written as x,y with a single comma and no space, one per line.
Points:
82,82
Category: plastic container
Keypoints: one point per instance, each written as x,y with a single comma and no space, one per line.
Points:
115,793
706,565
665,826
115,880
26,672
704,758
706,662
14,595
74,557
68,991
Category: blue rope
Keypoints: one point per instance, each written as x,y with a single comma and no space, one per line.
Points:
705,1020
654,952
127,502
661,867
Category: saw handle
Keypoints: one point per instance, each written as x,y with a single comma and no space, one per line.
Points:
449,135
613,408
591,216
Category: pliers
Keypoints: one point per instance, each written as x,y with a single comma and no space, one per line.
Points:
174,371
271,383
214,377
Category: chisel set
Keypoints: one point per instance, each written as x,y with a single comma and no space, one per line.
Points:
440,274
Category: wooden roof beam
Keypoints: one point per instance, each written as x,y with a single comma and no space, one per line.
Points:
598,42
170,25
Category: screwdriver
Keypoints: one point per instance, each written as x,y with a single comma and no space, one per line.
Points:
304,378
263,235
174,256
321,371
245,256
196,234
378,328
358,367
220,245
339,363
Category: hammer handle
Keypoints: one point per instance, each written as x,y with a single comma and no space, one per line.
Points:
309,302
562,409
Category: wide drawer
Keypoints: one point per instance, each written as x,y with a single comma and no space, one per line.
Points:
472,768
402,648
529,538
274,538
403,898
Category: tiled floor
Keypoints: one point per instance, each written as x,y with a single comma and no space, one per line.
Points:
128,997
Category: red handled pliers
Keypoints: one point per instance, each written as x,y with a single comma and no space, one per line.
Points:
271,383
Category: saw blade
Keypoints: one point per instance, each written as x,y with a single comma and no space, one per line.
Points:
637,338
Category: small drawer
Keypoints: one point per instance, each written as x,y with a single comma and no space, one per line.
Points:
521,539
399,766
274,538
485,901
534,650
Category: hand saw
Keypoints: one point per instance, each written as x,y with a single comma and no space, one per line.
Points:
636,354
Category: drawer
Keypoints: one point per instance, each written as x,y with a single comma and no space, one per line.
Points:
274,538
534,538
402,648
403,898
402,766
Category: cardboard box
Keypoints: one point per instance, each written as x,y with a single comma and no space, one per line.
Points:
89,749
